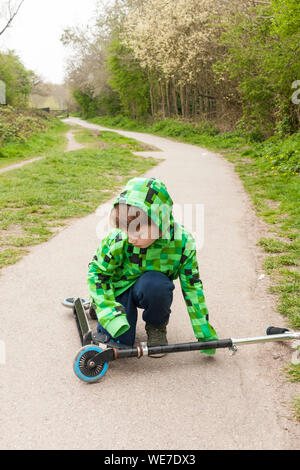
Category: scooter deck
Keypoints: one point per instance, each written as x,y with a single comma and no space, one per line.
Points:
83,326
86,334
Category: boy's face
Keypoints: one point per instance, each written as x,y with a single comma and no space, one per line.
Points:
143,236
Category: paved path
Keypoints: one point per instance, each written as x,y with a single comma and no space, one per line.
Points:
182,401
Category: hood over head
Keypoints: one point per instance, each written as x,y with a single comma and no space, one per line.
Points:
150,195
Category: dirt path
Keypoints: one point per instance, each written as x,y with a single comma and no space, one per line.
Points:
183,401
19,165
71,145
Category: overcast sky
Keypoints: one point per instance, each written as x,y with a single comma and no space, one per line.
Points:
36,31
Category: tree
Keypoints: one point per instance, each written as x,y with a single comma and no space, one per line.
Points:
10,10
178,48
17,78
129,80
263,57
86,72
230,60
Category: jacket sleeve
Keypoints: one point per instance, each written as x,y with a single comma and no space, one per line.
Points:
108,256
192,290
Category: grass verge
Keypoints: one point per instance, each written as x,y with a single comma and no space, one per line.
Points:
204,134
97,139
45,143
293,374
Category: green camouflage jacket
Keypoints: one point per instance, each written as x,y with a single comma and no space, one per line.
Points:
118,264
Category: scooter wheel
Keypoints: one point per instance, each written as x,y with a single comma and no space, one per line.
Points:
70,301
81,365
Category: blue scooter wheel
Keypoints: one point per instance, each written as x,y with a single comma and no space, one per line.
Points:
81,364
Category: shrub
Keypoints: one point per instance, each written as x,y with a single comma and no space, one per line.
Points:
18,125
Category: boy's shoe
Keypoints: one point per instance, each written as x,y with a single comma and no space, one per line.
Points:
157,336
109,342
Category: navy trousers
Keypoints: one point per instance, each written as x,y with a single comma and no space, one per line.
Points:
153,292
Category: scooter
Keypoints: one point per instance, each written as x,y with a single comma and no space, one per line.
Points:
91,362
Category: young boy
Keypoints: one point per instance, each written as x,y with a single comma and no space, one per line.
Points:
135,264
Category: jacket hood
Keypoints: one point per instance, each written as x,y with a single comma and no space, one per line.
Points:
150,195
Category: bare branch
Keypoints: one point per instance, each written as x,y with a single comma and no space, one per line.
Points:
12,15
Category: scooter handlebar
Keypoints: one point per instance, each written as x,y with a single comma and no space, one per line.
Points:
273,330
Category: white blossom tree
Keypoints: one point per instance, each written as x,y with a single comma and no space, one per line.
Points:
177,42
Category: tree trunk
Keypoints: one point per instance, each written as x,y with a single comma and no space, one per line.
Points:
187,101
194,104
162,100
174,95
181,91
168,98
151,93
133,110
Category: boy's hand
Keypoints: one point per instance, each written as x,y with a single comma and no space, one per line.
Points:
210,352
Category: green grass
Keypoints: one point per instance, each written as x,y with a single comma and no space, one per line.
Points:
293,374
296,407
119,122
276,199
98,139
45,143
204,134
35,200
